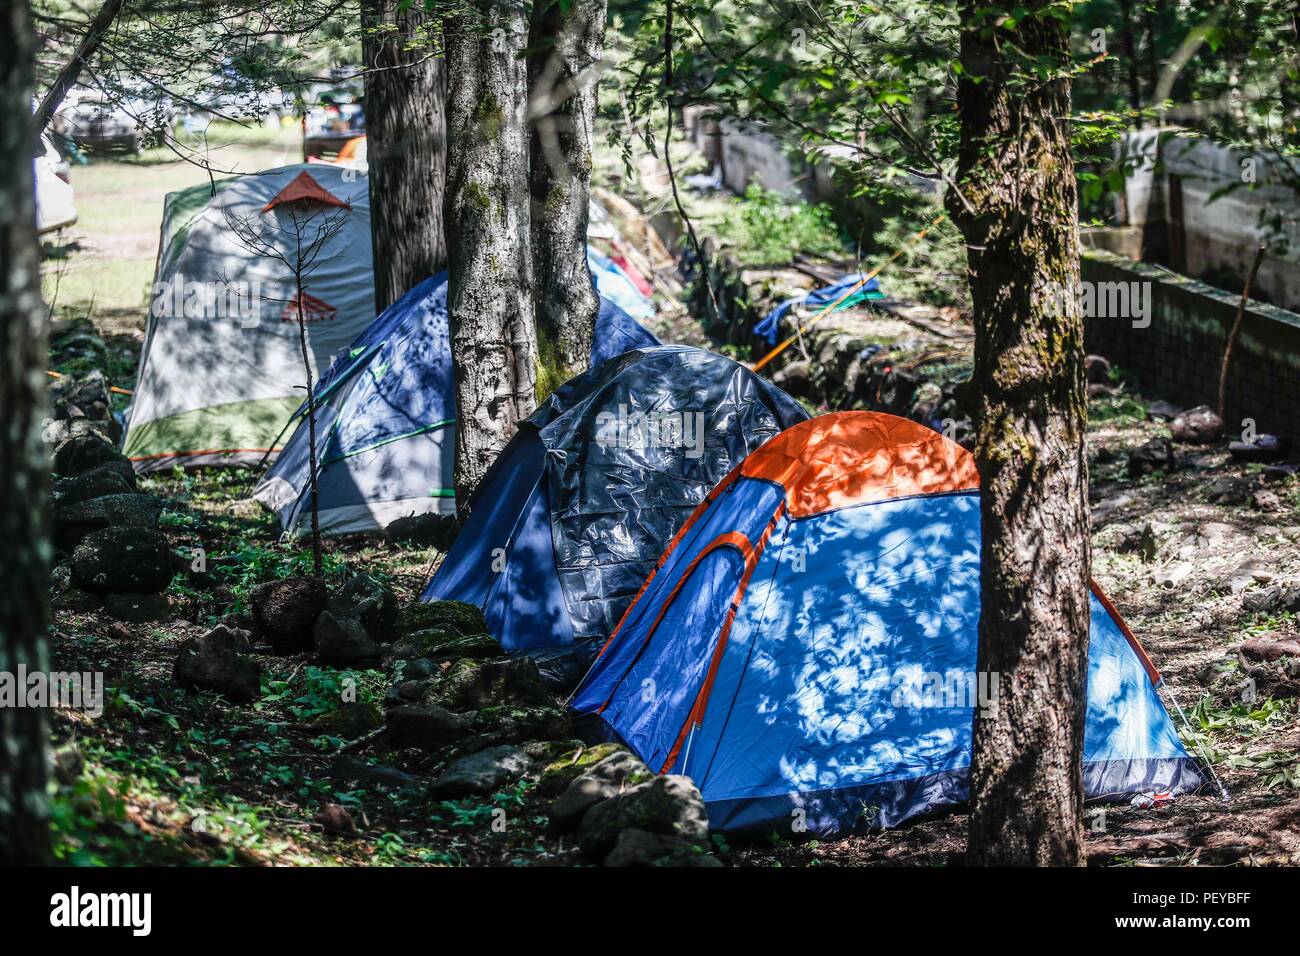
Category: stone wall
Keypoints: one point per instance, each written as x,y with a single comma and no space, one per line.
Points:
1178,356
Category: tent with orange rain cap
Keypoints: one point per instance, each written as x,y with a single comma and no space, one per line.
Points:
805,648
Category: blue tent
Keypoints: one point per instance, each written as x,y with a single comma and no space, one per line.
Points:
572,516
809,640
385,411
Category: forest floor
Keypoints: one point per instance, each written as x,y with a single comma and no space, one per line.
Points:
163,775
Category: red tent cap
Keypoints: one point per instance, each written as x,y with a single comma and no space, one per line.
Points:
305,189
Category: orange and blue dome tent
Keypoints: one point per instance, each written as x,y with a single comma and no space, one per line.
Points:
805,649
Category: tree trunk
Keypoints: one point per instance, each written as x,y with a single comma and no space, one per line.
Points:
565,44
489,294
1016,172
24,468
1130,56
405,147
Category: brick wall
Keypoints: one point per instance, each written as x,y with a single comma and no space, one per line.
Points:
1179,355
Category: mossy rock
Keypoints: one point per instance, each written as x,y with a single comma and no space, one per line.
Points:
562,771
440,644
465,619
469,684
351,720
514,725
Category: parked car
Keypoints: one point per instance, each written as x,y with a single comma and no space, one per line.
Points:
54,196
92,119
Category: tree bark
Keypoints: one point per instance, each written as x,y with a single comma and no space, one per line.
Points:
406,147
565,44
489,294
24,467
1016,173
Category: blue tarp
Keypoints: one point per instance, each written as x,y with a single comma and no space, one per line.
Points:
580,513
770,325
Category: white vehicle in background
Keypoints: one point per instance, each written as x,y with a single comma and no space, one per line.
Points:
54,197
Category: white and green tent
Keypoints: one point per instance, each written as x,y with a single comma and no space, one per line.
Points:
221,369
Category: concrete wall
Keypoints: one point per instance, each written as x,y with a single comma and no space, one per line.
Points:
1177,202
1178,355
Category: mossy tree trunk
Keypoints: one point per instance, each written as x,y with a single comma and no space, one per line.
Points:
565,45
405,146
1019,221
24,468
489,295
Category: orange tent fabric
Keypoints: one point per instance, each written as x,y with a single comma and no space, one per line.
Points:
852,458
304,188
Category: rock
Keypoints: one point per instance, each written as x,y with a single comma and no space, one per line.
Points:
80,453
1228,490
1196,426
122,560
1251,571
372,603
348,768
1275,597
465,619
1279,473
1262,649
96,483
137,608
426,727
213,662
796,377
334,818
478,685
1162,411
1155,455
123,510
667,805
407,691
76,601
343,642
285,612
1263,500
439,644
415,668
545,751
351,720
423,531
642,848
563,770
1096,368
1265,448
480,774
512,724
68,764
608,778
